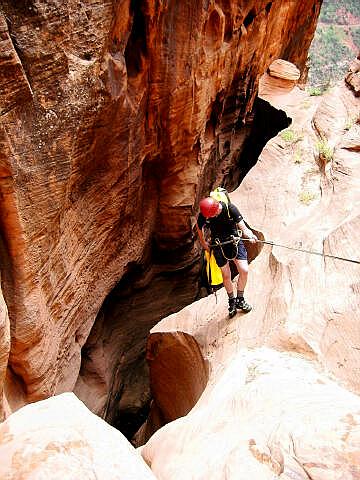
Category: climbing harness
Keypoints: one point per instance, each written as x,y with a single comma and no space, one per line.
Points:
268,242
234,240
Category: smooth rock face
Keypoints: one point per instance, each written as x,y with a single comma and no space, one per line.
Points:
312,302
4,349
114,120
59,438
270,415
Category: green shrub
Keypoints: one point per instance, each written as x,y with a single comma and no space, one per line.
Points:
314,91
349,123
355,33
326,153
306,197
290,136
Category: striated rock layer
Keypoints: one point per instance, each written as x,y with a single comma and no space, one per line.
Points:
115,117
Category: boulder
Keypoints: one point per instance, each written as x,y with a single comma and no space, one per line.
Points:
353,77
60,438
269,415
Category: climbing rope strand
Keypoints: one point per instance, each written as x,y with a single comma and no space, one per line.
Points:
306,251
292,248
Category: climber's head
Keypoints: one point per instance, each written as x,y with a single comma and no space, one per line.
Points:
209,207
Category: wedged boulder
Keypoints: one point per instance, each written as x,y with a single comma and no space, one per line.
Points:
59,438
280,78
176,353
270,415
178,376
283,69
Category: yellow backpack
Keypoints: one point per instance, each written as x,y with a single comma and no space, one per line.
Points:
213,270
221,195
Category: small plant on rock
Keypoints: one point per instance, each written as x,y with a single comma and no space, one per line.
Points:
326,153
306,197
297,157
290,136
314,91
350,122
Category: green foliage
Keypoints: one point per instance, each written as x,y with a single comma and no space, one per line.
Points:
338,11
355,33
315,91
328,12
330,52
350,122
290,136
306,197
325,151
329,56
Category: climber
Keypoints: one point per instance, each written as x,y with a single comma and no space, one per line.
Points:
225,221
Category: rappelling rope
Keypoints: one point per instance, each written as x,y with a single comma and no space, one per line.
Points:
289,248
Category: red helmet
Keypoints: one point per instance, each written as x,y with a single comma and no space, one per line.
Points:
209,207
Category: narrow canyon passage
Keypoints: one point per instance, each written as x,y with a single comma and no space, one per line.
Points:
117,118
114,377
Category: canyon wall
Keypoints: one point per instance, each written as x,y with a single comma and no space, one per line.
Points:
115,118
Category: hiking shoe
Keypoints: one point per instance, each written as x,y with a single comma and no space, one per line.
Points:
241,304
232,307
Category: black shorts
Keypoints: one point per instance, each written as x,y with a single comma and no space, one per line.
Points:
229,250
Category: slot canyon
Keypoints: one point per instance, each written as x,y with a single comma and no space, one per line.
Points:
116,361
